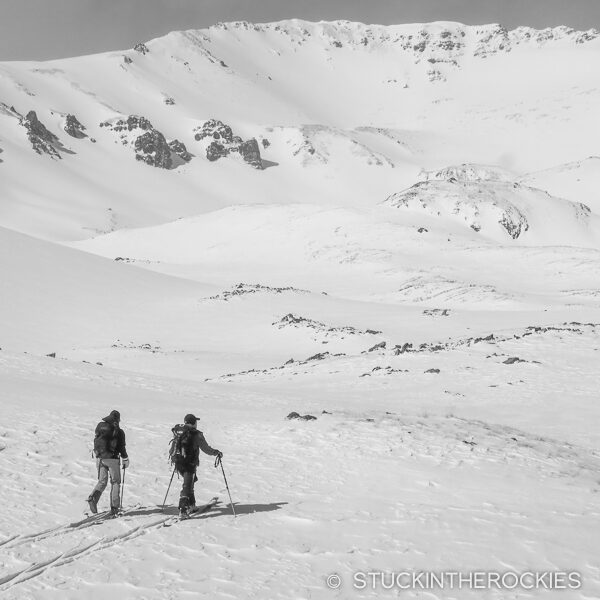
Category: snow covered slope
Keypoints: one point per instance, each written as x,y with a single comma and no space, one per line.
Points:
362,224
503,211
341,112
578,181
54,297
484,465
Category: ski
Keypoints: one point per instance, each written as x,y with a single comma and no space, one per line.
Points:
197,511
102,515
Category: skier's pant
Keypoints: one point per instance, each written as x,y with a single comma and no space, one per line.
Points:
106,467
186,498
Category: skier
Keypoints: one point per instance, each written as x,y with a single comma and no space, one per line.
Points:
109,445
192,441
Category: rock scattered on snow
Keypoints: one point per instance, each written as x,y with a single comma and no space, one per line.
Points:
402,349
379,346
291,320
242,289
295,415
133,346
573,326
432,371
437,312
512,360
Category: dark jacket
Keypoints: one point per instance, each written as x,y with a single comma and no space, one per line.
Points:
198,443
109,441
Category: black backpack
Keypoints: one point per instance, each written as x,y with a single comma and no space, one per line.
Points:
105,440
181,449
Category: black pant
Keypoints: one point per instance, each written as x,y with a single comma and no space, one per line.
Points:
187,498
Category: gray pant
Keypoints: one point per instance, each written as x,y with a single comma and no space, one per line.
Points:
112,467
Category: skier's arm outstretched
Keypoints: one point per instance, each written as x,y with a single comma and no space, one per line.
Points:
203,445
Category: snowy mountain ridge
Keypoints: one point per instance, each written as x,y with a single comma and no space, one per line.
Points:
446,35
346,112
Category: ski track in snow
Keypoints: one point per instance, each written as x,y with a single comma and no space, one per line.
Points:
80,550
379,483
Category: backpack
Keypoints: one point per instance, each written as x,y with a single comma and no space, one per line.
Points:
105,441
181,449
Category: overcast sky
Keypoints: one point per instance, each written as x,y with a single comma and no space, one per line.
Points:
43,29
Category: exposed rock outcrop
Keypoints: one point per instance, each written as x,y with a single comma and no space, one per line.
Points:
379,346
42,140
215,129
441,48
250,152
149,144
73,127
223,142
180,150
214,151
152,148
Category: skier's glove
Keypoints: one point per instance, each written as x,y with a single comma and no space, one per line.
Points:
219,454
125,463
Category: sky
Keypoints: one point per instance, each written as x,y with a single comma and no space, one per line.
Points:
46,29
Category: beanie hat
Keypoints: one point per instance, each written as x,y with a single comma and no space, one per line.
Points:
114,417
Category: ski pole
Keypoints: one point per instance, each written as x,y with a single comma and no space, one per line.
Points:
218,461
122,490
170,482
